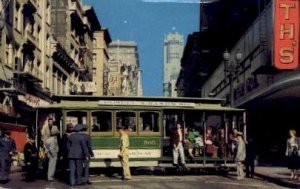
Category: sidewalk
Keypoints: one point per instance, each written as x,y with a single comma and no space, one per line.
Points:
278,175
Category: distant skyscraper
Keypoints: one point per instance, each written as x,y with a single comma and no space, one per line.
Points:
173,49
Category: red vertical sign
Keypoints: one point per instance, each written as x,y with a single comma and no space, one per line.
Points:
286,34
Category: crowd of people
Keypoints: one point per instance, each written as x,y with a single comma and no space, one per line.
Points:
74,151
190,141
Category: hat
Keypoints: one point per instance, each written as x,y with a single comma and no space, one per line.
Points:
78,127
54,131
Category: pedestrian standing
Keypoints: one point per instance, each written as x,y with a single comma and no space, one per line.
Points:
88,145
47,128
240,155
7,149
292,153
45,132
250,158
63,148
178,146
77,153
30,159
52,148
124,153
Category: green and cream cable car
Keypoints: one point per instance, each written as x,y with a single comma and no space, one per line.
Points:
150,122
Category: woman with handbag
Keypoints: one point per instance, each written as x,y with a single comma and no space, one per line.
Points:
292,153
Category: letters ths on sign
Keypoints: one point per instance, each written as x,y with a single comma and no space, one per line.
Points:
286,33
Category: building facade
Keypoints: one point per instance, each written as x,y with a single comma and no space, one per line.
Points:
73,25
46,49
123,76
173,50
100,60
247,77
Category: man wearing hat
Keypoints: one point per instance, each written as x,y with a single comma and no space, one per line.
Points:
7,149
88,145
240,155
31,159
77,153
63,148
51,148
124,153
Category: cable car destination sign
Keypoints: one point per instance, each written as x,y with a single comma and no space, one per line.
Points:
286,34
145,103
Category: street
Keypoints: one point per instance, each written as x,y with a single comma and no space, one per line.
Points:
149,182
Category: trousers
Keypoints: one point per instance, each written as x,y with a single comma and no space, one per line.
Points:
178,151
125,165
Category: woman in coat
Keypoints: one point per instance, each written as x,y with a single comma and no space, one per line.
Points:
292,153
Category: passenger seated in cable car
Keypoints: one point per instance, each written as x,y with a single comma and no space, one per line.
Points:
95,128
209,142
221,143
232,144
188,142
147,128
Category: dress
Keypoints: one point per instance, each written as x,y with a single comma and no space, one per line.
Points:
292,154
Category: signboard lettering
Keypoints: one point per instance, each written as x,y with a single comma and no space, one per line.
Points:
286,33
145,103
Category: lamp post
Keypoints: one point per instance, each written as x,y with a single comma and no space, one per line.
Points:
230,70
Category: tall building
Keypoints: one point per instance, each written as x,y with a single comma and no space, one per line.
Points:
173,49
73,26
246,74
45,48
100,60
123,76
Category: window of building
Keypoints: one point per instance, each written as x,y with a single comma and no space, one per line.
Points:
47,77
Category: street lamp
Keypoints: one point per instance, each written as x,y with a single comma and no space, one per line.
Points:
230,69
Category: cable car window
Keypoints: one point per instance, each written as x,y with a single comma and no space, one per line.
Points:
101,121
127,120
149,122
76,117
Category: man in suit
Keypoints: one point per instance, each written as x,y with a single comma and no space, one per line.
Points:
7,149
124,153
250,158
240,155
47,128
78,152
52,148
88,145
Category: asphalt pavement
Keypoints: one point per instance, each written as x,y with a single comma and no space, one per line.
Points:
168,180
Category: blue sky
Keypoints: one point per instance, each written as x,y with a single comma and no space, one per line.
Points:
146,22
